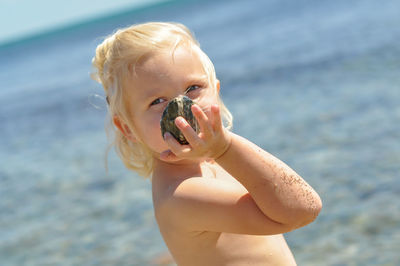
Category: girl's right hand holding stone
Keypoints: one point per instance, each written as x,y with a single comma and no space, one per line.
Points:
211,143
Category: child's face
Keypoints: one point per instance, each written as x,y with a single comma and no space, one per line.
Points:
160,78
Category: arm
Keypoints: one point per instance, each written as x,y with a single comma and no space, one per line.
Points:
199,204
282,197
278,191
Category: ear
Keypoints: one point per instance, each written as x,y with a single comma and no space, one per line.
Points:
217,85
123,127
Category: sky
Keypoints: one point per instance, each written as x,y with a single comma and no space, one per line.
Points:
19,18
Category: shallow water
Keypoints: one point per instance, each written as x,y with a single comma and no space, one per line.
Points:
314,82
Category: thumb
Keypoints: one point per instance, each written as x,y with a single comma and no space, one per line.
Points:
168,156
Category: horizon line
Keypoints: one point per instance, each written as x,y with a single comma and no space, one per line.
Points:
83,23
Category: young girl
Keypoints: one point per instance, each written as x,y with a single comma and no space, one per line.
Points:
220,200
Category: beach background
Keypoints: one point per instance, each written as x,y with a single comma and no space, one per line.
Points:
316,83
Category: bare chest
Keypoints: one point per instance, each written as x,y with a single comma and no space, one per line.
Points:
210,248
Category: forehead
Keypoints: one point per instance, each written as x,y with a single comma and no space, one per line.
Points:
170,64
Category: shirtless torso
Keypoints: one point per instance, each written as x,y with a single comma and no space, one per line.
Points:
216,248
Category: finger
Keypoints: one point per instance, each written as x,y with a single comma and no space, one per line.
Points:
216,118
187,131
168,156
203,120
178,149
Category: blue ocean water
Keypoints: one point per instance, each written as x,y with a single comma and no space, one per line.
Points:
314,82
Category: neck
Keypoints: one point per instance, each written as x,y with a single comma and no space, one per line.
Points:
178,169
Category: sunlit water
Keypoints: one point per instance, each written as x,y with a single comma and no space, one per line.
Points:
314,82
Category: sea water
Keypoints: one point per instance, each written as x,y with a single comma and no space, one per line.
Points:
314,82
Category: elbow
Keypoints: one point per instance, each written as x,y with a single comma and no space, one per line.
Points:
300,217
310,213
316,207
305,215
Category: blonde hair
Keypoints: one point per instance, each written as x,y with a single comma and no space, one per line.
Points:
115,58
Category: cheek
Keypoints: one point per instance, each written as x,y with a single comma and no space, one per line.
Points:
206,100
151,134
151,128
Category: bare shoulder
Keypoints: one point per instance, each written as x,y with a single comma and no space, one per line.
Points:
202,203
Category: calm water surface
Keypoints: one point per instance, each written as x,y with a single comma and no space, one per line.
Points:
314,82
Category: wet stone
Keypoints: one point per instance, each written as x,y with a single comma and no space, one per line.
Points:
179,106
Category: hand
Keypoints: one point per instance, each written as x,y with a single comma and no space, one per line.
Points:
212,141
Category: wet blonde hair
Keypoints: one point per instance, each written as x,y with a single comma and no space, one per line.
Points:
117,56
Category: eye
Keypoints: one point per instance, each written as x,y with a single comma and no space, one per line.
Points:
192,88
157,101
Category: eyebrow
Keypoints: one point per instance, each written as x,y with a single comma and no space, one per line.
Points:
202,78
193,79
